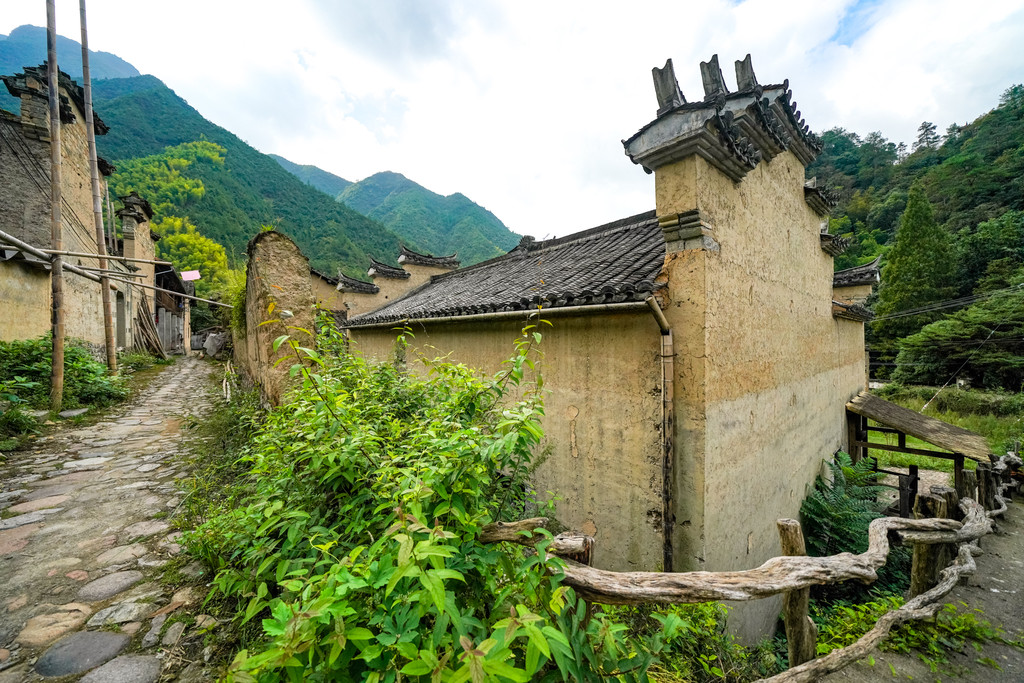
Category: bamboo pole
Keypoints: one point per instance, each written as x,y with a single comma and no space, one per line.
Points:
171,291
97,206
111,236
56,238
84,254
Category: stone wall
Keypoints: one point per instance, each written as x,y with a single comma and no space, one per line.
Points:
601,454
277,281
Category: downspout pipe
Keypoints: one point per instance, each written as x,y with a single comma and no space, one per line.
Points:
667,432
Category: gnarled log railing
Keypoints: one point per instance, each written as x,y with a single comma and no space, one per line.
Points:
786,574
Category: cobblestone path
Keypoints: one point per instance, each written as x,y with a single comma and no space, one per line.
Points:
83,534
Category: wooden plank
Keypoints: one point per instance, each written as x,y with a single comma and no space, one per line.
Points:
801,631
936,432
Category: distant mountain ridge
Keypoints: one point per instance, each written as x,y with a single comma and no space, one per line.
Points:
26,46
444,225
322,180
320,210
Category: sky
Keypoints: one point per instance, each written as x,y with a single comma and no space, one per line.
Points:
522,105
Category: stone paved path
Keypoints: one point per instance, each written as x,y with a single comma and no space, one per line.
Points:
84,530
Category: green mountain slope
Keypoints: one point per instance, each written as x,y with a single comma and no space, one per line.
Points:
249,190
26,46
442,225
314,175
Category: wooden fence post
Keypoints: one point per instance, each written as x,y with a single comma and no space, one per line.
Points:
925,567
801,632
968,485
986,486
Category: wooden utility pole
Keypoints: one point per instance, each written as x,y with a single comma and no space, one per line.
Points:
97,206
56,240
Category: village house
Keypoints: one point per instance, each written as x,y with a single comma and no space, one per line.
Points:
25,216
700,361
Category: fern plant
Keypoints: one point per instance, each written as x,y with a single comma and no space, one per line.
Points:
836,516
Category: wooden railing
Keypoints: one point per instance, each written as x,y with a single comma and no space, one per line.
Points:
944,538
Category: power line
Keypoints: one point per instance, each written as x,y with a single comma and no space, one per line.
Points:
949,303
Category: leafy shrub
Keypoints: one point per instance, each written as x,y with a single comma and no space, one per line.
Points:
355,538
86,381
964,402
836,516
134,361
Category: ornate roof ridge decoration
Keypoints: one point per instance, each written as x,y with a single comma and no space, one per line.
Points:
614,263
407,255
821,199
851,311
866,274
834,244
753,123
134,204
384,270
105,167
17,85
351,284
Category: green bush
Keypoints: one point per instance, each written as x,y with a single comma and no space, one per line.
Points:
25,370
964,402
134,361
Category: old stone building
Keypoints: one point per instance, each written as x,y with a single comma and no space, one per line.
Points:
699,361
25,215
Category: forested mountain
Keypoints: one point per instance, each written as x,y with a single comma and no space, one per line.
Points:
442,225
26,46
314,175
948,220
248,190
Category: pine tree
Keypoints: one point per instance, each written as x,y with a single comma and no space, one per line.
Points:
918,271
927,136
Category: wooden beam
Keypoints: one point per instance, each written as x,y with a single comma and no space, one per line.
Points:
911,451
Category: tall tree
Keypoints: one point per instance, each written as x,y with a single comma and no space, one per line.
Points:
927,136
918,271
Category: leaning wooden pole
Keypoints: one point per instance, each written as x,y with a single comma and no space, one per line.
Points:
97,205
56,239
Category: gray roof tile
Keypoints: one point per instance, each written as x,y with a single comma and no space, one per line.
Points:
608,264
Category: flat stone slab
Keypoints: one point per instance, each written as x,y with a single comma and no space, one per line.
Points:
87,462
73,413
21,520
122,553
80,652
50,491
38,504
126,669
109,586
13,540
147,528
121,613
46,628
149,467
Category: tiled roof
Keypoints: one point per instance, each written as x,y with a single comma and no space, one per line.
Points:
350,284
609,264
384,270
851,311
410,256
866,274
834,244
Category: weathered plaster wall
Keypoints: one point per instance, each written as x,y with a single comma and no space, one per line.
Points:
602,419
776,370
325,295
855,294
277,273
25,293
390,288
420,275
358,303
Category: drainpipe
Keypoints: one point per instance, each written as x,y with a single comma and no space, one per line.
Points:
667,431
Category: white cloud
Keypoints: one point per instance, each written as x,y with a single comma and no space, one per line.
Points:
521,105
